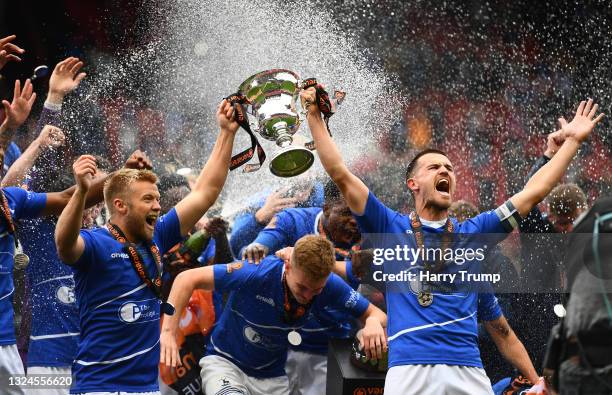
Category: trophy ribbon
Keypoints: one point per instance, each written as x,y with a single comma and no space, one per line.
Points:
238,100
325,105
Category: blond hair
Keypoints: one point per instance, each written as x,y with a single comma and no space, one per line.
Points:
315,256
117,185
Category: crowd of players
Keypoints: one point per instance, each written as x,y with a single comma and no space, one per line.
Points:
266,301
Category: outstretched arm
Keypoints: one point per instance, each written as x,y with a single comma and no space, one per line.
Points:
545,179
511,347
70,245
355,192
183,287
212,177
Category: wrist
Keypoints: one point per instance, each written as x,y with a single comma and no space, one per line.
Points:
260,217
549,153
55,97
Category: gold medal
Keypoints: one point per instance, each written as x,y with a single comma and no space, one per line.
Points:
425,298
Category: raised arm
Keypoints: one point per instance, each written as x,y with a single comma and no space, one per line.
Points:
16,112
511,347
545,179
184,285
69,244
50,138
212,177
355,192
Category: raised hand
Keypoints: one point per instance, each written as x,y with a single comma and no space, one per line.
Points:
65,78
139,161
216,226
84,169
309,100
554,142
583,123
9,50
275,202
51,137
225,117
18,110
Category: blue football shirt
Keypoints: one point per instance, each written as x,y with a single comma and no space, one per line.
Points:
446,332
22,204
252,332
118,314
55,316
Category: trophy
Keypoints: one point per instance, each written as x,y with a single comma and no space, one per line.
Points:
272,99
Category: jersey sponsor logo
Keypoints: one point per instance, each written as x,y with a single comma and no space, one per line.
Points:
258,339
230,267
131,312
269,301
352,299
117,255
65,295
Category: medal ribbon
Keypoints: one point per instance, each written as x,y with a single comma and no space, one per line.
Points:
417,229
325,105
293,310
238,100
6,213
137,261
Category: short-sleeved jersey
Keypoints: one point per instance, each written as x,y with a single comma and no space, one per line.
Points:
55,316
118,314
22,204
445,332
291,225
12,154
252,332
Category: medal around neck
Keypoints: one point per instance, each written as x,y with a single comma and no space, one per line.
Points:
295,339
21,260
425,299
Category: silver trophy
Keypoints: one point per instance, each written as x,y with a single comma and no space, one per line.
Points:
275,113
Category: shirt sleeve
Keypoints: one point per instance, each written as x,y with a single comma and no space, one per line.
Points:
232,276
340,296
167,231
25,204
376,216
280,235
244,231
488,307
88,257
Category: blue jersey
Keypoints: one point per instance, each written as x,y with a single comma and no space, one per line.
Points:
12,154
22,204
291,225
55,317
118,314
445,332
252,332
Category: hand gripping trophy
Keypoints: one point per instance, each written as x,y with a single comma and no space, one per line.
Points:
268,103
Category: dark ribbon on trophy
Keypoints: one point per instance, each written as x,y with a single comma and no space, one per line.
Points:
238,100
324,103
425,297
137,261
6,213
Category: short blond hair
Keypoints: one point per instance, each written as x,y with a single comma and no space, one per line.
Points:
567,199
315,256
118,184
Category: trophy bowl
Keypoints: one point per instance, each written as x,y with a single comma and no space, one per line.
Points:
273,97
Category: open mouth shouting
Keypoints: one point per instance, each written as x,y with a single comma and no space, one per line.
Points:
151,219
443,186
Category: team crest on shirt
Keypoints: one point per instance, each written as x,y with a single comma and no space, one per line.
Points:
230,267
65,295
